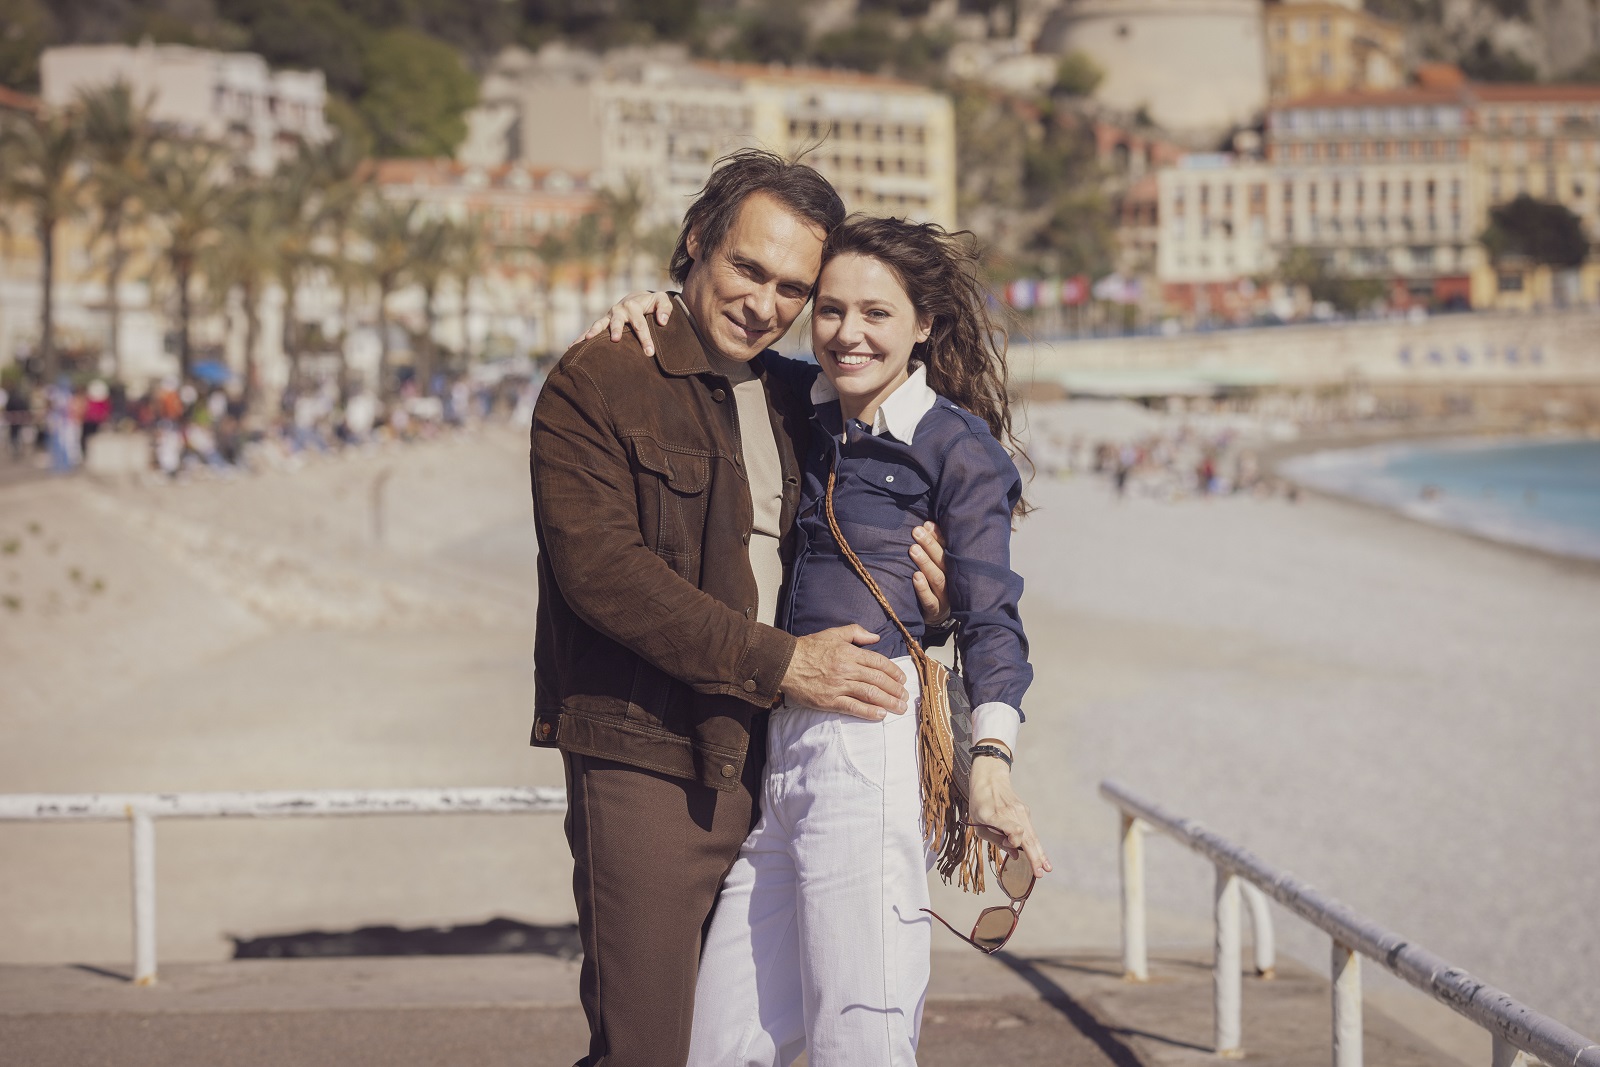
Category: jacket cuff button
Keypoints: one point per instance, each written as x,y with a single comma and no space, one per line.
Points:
749,685
727,770
544,731
718,395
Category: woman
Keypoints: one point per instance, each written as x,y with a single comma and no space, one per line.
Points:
819,942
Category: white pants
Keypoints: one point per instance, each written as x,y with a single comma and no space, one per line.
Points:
817,943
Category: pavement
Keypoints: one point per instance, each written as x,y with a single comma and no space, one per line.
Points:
1068,1010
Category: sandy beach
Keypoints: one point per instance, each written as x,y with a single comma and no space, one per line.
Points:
1402,715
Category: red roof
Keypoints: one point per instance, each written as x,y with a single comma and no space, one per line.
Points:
1408,97
12,100
448,171
1471,92
1512,93
760,72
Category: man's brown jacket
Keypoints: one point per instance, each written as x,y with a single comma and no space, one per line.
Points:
647,650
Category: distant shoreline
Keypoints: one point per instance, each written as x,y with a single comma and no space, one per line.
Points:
1277,456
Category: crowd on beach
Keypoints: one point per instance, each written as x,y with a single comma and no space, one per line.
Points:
182,429
1175,464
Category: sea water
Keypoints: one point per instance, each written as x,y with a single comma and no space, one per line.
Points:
1541,494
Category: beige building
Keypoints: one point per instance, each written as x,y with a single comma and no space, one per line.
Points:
232,97
1197,67
1322,46
654,115
1215,213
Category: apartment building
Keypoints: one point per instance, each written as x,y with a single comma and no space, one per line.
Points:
1325,46
1215,228
656,116
231,97
1380,185
517,204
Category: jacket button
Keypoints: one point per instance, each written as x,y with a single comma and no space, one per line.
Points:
544,731
727,770
749,685
745,537
749,613
718,395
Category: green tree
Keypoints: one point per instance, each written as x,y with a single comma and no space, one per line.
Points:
118,141
306,35
621,211
25,29
1078,75
1546,233
774,32
41,169
1314,272
190,194
868,44
1484,63
1587,72
418,93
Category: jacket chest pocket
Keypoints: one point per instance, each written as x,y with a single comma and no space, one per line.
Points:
889,494
673,485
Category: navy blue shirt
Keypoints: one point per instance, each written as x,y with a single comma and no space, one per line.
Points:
951,470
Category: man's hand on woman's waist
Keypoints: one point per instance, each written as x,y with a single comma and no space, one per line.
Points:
830,672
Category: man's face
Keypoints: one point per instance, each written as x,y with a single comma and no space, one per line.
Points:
746,294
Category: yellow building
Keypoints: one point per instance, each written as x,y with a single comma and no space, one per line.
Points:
1326,46
888,146
1544,141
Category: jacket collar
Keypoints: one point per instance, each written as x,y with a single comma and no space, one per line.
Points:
900,411
681,351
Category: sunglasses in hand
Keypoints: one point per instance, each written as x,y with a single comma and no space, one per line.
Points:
996,925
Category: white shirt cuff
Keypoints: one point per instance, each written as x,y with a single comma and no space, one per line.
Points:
998,721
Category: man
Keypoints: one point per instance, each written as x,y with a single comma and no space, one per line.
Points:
664,487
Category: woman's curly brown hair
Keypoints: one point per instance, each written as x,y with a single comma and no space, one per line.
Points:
965,352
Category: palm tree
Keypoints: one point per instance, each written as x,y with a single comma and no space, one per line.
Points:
296,202
621,209
245,258
430,265
469,255
386,228
189,192
117,139
41,167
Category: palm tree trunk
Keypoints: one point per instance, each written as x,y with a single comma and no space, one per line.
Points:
383,339
252,335
47,293
291,347
425,351
119,260
182,269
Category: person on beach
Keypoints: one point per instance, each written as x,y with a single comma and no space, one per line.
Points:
665,488
819,943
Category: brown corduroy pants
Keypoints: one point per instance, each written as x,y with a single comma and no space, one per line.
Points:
649,853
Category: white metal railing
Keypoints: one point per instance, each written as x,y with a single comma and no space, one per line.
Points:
1518,1031
141,810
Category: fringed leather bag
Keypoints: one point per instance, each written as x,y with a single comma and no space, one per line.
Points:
944,735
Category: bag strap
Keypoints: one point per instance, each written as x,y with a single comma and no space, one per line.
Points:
912,644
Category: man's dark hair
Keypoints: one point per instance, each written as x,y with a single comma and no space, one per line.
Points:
795,185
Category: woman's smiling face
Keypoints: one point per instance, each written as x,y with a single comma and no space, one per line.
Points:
863,328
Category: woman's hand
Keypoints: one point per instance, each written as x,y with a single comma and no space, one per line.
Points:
995,803
633,311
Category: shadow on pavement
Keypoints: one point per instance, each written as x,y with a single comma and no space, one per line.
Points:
1104,1037
497,936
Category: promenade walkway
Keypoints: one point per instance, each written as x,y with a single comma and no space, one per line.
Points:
1070,1010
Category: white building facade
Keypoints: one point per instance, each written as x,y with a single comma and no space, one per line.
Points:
230,97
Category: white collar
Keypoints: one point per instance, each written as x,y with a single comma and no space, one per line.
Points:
900,411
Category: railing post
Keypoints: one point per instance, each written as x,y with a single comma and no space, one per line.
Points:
1227,977
1505,1054
1261,931
144,897
1346,1007
1135,956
